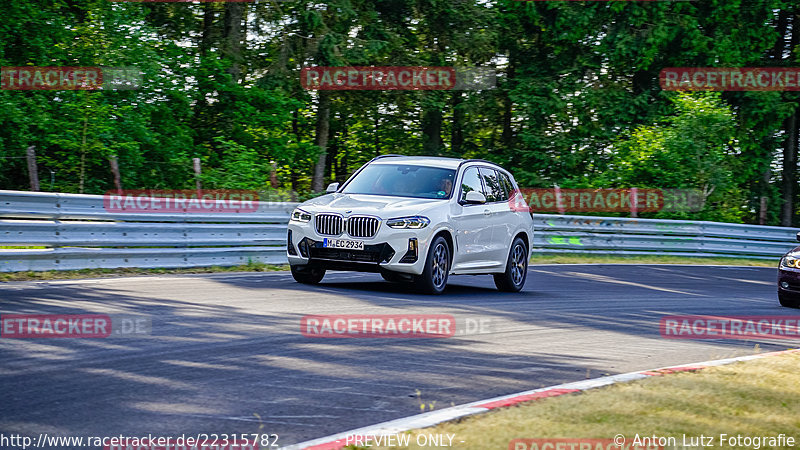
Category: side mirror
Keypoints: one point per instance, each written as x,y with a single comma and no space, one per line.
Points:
475,198
798,236
333,187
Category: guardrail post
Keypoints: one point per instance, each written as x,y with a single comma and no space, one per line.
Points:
197,174
33,170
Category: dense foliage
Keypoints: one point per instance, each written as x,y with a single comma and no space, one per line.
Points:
577,101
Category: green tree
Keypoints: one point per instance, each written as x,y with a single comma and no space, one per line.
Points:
694,148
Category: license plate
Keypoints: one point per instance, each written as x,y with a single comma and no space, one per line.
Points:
346,244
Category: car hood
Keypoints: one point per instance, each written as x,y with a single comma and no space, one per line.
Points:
383,206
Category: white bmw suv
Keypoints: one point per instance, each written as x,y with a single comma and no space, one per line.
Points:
416,219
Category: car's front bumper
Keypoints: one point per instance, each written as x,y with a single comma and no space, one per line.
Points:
384,251
789,281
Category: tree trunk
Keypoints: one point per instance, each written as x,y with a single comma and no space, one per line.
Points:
457,134
790,145
293,178
375,133
83,154
432,131
763,212
341,166
206,39
332,155
114,164
198,173
273,176
641,81
232,38
782,28
789,170
508,111
321,140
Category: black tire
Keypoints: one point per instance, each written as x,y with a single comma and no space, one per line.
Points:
307,275
513,279
788,300
437,267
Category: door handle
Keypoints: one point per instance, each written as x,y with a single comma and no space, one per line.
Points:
486,212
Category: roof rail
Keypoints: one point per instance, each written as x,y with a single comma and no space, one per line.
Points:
476,160
385,156
480,160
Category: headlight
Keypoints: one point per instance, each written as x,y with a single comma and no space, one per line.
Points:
790,261
298,215
413,222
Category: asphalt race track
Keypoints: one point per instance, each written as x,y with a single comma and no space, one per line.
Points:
226,354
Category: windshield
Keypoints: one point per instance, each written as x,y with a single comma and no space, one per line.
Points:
403,180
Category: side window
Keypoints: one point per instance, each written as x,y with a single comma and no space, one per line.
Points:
470,182
505,181
494,191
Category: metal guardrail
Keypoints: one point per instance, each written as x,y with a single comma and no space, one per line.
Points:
77,232
625,236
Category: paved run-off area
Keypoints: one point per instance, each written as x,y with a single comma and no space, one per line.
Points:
226,354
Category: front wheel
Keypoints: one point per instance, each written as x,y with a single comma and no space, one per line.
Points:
788,300
437,267
516,272
307,275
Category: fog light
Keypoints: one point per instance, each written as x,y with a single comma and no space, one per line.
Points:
784,285
411,254
289,244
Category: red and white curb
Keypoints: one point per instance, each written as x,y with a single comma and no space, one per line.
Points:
429,419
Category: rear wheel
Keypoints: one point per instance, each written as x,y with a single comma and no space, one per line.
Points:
307,275
437,267
788,301
516,272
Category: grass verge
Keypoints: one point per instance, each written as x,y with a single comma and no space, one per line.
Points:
753,398
126,272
